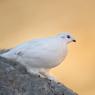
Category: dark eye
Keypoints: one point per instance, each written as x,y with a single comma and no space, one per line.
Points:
68,36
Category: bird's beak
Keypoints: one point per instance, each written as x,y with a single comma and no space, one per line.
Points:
74,40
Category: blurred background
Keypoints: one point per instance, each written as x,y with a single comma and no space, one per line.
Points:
22,20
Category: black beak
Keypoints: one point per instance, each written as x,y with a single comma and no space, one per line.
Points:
74,40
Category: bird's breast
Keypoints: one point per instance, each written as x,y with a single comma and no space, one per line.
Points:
54,56
59,56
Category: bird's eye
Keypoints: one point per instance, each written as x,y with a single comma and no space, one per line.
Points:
68,36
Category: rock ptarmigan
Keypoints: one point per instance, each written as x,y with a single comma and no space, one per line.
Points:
41,55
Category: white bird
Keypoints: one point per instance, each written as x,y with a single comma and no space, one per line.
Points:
41,55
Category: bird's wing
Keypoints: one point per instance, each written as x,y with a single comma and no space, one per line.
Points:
26,48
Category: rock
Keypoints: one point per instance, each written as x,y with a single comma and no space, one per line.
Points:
15,80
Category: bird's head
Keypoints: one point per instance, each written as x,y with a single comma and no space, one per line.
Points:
67,37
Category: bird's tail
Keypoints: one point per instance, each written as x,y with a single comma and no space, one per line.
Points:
3,52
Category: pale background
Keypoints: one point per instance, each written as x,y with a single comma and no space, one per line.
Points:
22,20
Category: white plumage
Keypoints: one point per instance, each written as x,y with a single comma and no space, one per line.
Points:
40,55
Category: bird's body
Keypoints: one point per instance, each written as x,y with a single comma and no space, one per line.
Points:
39,55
